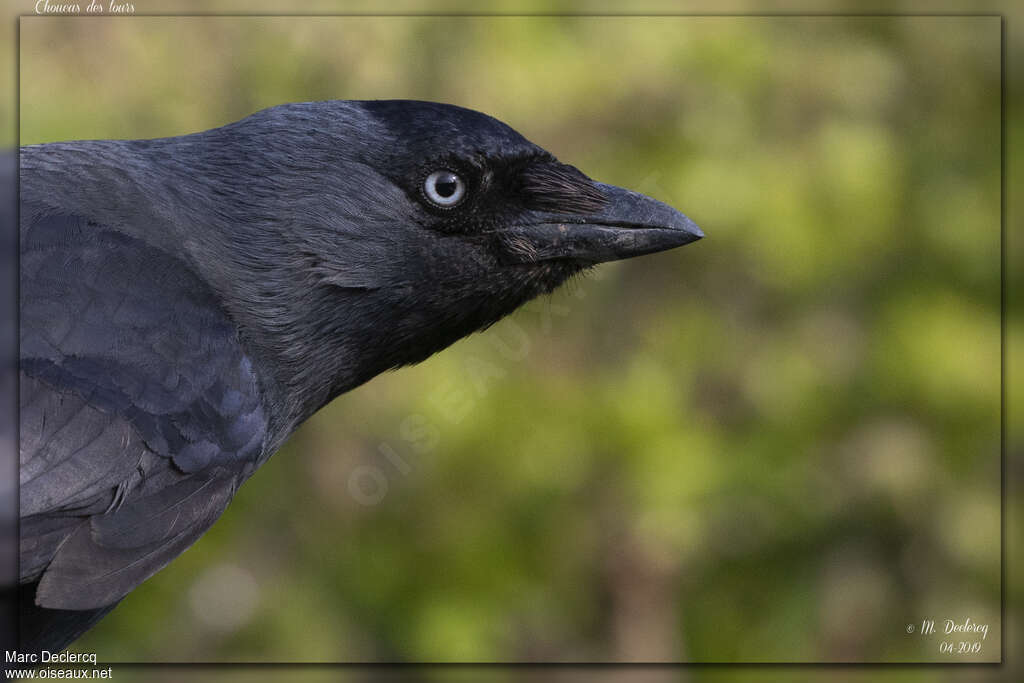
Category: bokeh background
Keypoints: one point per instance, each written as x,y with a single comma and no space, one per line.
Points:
778,444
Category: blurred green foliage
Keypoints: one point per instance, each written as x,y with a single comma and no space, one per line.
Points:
778,444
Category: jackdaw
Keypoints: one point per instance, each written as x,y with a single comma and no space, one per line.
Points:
187,302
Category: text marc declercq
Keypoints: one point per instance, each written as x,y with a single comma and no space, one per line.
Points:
47,657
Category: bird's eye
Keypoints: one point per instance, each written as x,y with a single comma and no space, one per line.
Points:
444,188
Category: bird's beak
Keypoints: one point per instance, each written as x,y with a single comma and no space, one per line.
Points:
629,224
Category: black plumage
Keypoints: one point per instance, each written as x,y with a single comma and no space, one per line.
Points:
187,302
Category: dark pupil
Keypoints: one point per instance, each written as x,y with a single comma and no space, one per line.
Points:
446,185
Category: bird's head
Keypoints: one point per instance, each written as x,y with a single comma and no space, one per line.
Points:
417,223
489,195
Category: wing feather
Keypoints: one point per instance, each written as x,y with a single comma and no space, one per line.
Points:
140,412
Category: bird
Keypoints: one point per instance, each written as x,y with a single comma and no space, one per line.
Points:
187,302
